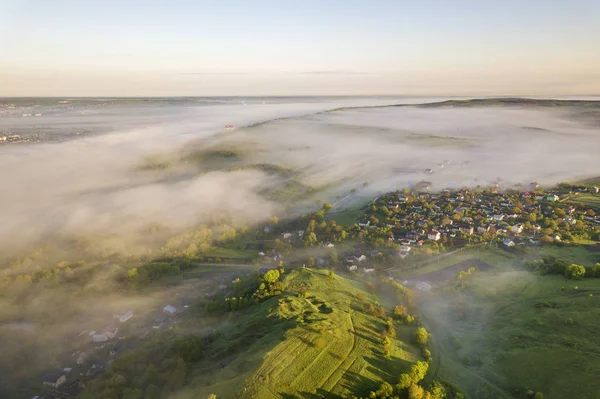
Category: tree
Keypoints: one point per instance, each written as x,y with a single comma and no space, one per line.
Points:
404,382
416,392
132,273
327,206
311,262
538,395
418,371
400,311
311,239
271,276
422,336
575,272
212,396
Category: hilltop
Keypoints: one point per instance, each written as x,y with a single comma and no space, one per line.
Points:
302,332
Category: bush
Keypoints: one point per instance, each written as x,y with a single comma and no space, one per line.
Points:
575,272
421,336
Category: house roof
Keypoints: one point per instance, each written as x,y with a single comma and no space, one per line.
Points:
52,376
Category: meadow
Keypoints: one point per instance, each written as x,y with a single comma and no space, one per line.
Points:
504,332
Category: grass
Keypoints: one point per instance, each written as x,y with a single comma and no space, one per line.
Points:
579,254
589,200
347,217
336,349
506,333
491,256
230,252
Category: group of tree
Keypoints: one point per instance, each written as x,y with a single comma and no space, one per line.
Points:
551,265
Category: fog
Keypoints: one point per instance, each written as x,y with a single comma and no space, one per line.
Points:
95,185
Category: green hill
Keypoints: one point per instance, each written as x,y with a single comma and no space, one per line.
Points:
335,349
320,335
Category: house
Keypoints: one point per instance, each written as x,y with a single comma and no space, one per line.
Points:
571,220
352,268
55,379
498,217
555,237
99,338
267,229
111,331
423,286
517,228
466,230
434,235
594,190
483,229
330,245
552,197
370,270
534,185
423,185
287,236
375,253
170,309
124,317
405,248
81,358
508,242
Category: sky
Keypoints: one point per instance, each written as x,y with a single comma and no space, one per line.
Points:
263,47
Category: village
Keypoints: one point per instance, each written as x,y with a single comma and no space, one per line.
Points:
418,219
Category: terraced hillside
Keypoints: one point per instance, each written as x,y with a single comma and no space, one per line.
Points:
336,349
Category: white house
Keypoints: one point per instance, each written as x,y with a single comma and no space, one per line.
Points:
508,243
99,338
555,237
517,228
434,235
124,317
330,245
352,268
54,379
170,309
423,286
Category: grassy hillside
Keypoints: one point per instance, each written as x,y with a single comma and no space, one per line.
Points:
321,336
336,351
505,331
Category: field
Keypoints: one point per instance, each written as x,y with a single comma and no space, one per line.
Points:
587,199
335,350
488,255
580,254
505,331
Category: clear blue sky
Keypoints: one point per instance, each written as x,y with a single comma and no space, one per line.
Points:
66,47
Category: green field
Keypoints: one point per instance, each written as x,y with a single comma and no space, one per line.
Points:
336,349
590,200
579,254
488,255
506,331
